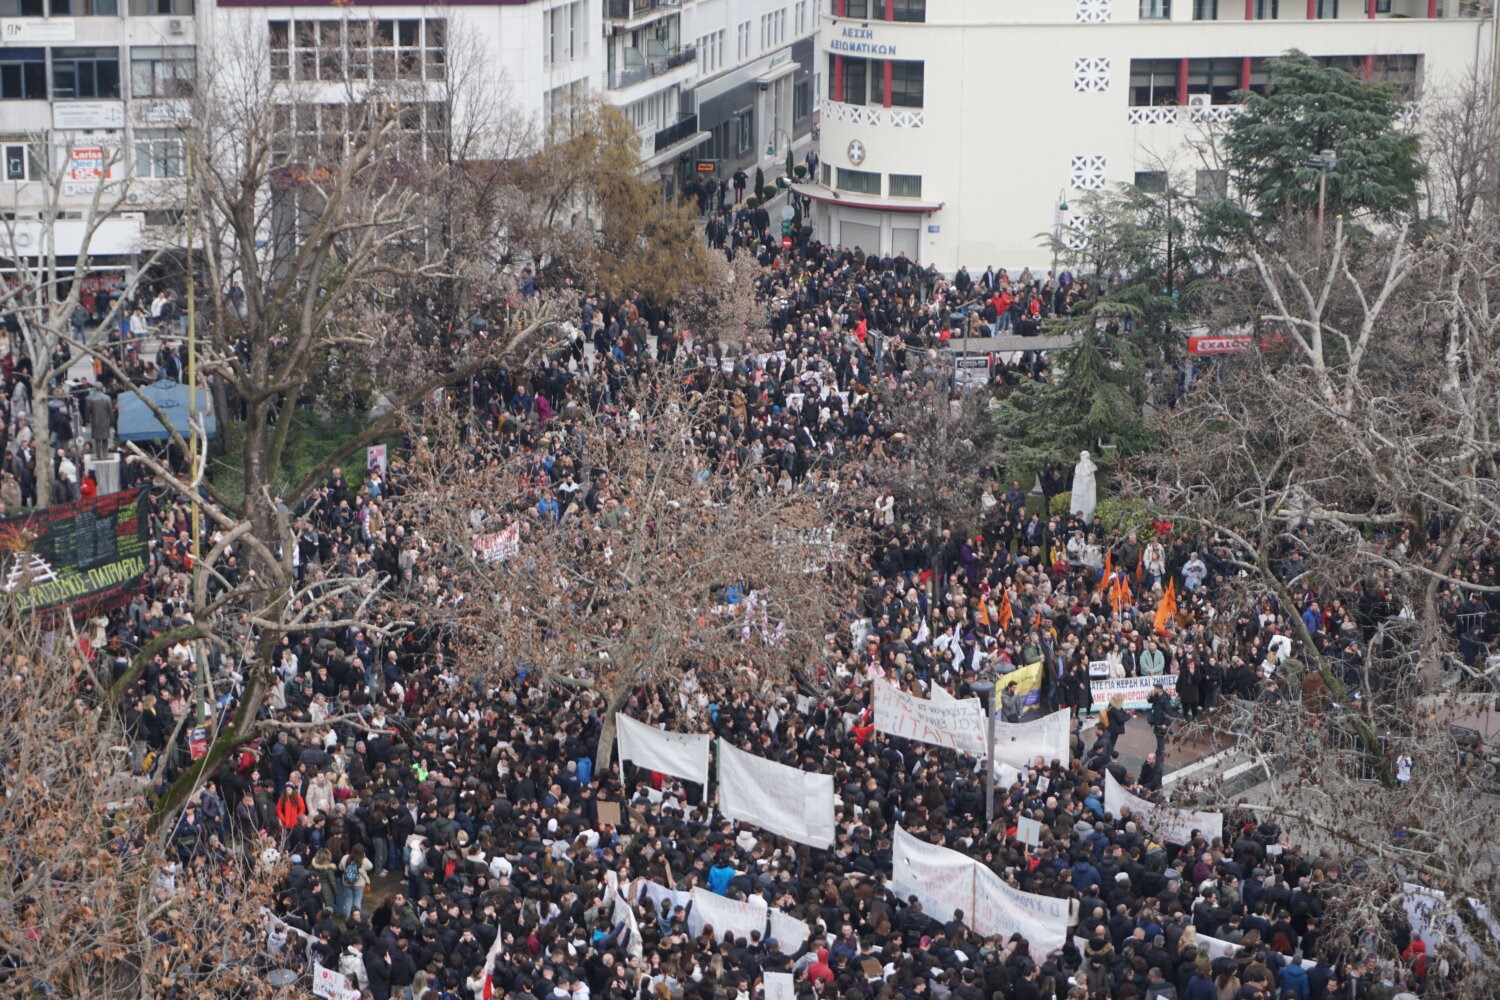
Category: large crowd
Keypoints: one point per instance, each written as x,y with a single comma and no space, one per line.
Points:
453,844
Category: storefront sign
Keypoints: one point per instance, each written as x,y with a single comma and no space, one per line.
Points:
69,115
859,41
26,30
86,167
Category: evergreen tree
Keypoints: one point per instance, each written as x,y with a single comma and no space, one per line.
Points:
1310,108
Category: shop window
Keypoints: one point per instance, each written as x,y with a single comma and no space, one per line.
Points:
859,181
906,186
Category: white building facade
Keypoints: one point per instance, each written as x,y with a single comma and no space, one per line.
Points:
92,94
954,130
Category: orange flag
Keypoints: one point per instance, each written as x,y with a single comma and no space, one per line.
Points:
1166,611
1140,563
1006,614
1109,559
984,612
1122,592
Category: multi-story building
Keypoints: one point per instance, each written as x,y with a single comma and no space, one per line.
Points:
756,83
955,130
92,93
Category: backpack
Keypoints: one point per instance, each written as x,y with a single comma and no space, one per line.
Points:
351,873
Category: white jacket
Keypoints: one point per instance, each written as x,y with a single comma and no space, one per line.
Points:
352,965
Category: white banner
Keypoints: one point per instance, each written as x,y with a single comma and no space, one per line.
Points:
1019,743
942,880
798,805
1175,826
655,892
331,984
683,755
789,932
1000,910
623,912
1215,948
1135,689
955,724
940,694
498,546
1433,920
779,986
712,910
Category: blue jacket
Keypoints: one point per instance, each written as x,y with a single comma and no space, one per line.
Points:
1200,987
1293,977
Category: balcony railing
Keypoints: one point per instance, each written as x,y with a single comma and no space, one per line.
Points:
629,10
655,64
673,134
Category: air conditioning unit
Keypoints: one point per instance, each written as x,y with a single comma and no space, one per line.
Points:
1200,100
176,27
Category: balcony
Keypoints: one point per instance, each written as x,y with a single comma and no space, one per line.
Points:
673,134
656,61
638,10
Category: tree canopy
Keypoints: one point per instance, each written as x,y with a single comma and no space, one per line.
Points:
1309,108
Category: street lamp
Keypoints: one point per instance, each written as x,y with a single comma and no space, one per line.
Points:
1324,162
986,692
1060,210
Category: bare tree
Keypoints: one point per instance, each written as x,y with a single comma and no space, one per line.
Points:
677,560
95,902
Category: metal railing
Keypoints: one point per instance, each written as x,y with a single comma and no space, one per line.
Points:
626,10
654,65
673,134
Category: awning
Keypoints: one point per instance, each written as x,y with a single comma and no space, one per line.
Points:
771,76
875,203
138,423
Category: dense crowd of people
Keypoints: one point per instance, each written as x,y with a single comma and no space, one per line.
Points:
447,835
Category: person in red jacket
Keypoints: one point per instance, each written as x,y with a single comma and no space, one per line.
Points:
290,808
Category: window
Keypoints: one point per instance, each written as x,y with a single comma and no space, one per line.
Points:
1156,10
410,49
159,153
1260,76
856,81
827,174
161,8
859,181
914,11
23,74
1266,10
1382,6
1404,71
1219,78
1153,82
1326,10
800,17
162,71
1213,184
1151,181
85,8
85,73
22,8
742,42
802,99
856,8
21,163
1205,10
906,186
906,84
746,138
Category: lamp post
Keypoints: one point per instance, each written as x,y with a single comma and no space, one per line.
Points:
1324,162
1059,211
986,692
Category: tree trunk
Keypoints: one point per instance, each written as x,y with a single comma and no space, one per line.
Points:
42,440
604,752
